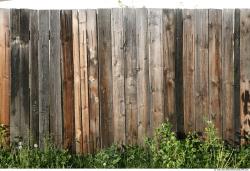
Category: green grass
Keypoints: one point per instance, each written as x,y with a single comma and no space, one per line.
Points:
164,150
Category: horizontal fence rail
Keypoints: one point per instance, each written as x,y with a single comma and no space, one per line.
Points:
90,78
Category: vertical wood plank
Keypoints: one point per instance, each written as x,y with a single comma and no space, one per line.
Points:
188,69
201,70
143,73
244,72
84,79
105,76
77,85
227,72
129,48
15,116
215,23
118,76
43,74
34,80
4,67
156,66
93,80
55,80
168,34
68,78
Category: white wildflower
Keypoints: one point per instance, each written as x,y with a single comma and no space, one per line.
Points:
20,143
104,164
20,147
35,145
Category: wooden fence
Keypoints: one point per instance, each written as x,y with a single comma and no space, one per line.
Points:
90,78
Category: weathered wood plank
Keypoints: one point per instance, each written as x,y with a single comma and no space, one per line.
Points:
188,69
93,80
55,80
130,62
15,116
168,34
215,58
227,73
34,78
156,67
105,76
77,85
68,78
244,72
84,79
118,76
43,76
201,70
143,74
4,67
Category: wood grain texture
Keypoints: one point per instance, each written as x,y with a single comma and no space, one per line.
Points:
156,67
43,74
34,77
15,116
130,63
93,80
84,79
68,79
4,67
142,74
169,42
105,76
77,85
215,24
188,69
55,79
227,73
118,76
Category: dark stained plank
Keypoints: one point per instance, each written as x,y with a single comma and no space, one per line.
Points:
215,24
130,61
77,83
155,67
188,69
68,78
34,93
201,70
15,116
93,80
142,74
4,67
118,43
237,76
43,76
105,76
55,80
168,34
84,79
227,73
244,72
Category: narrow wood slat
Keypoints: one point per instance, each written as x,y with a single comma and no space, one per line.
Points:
130,61
105,76
15,116
4,67
43,76
142,74
169,42
68,78
55,80
227,73
93,80
34,78
244,73
84,79
156,67
215,58
77,85
118,76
